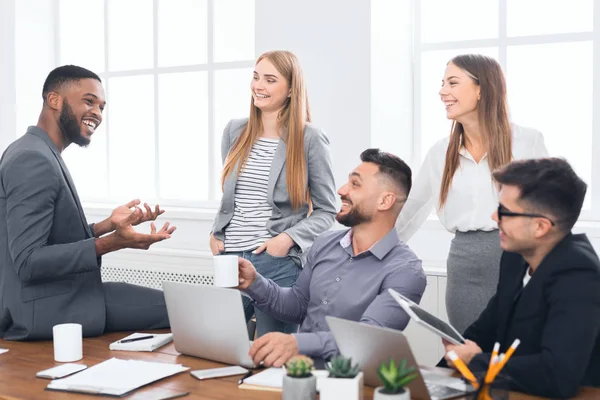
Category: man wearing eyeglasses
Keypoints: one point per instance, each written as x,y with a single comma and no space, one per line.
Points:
548,295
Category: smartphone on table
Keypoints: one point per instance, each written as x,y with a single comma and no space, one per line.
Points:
218,372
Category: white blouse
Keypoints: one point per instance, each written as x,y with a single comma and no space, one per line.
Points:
472,197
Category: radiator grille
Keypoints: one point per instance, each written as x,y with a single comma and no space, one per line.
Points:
152,278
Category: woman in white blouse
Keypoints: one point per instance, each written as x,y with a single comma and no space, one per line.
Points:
455,178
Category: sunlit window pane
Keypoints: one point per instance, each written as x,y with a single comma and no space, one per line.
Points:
82,43
233,30
182,32
538,17
88,166
130,34
434,124
446,21
183,136
554,95
232,100
131,141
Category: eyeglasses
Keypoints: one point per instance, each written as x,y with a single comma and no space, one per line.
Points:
503,212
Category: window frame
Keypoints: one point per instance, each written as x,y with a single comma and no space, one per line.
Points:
210,67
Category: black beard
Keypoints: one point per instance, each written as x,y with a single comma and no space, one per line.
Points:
70,127
353,218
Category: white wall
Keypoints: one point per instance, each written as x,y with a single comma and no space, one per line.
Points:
332,41
392,77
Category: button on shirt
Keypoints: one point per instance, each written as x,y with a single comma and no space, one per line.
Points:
472,198
339,283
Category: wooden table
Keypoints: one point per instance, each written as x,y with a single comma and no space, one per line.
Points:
19,365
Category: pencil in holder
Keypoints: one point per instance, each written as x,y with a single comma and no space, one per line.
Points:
498,389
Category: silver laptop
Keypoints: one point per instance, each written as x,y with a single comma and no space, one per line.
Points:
371,345
208,322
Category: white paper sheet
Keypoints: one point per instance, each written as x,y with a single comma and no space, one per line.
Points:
116,376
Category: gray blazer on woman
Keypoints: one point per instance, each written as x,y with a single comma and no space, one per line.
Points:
295,223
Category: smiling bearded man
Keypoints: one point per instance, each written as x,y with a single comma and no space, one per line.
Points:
50,257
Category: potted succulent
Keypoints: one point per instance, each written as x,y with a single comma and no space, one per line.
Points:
298,382
345,381
394,379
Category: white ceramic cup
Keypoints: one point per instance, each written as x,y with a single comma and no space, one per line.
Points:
68,346
226,271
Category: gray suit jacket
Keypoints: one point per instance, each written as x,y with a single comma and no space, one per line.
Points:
49,272
295,223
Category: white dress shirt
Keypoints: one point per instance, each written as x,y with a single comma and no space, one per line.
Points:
472,197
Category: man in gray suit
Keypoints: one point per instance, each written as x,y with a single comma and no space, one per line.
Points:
50,258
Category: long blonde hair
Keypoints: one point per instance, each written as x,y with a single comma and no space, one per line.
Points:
492,116
293,117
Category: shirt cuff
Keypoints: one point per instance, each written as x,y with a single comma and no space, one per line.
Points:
258,290
309,344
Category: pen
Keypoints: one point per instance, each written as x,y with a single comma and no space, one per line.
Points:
136,339
176,396
462,368
246,375
507,355
493,361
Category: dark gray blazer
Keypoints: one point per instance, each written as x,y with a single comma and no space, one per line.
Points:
302,229
49,272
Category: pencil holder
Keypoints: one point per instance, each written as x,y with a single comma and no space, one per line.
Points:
497,390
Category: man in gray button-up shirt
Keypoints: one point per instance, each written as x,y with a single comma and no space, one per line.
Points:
348,272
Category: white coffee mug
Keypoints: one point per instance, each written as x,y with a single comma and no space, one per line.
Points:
68,346
226,271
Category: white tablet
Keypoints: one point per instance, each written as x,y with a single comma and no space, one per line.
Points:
427,320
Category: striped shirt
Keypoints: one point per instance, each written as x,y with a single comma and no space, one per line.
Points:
247,229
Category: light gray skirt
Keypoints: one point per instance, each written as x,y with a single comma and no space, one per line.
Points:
473,268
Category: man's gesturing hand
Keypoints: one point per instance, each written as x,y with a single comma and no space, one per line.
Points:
129,238
122,212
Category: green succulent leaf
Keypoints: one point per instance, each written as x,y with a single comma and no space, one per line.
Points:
396,377
341,367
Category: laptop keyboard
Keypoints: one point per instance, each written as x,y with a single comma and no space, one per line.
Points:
442,392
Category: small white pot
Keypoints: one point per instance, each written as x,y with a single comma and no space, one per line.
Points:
341,388
378,395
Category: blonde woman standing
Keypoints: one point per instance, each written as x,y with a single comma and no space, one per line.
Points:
278,186
455,178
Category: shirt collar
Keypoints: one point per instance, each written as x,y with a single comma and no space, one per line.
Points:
380,249
462,150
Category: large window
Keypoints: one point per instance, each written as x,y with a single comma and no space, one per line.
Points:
174,71
546,49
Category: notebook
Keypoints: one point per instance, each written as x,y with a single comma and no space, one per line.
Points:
271,379
157,341
116,377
